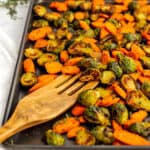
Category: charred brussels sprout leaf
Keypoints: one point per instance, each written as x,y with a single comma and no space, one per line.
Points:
40,23
128,82
103,134
120,113
146,89
46,57
137,100
146,62
90,74
53,138
62,23
141,128
133,6
69,16
39,10
107,77
109,46
88,98
114,66
97,115
32,53
127,64
131,37
28,79
84,137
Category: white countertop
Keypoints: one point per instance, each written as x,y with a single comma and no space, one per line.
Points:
10,37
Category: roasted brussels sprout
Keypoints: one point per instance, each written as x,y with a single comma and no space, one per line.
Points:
88,97
127,64
103,92
90,74
108,9
47,57
28,79
140,15
146,49
131,37
74,4
84,137
89,33
69,16
52,16
141,128
114,66
94,16
51,36
53,138
133,5
107,77
137,100
86,5
146,61
141,24
55,46
97,115
80,48
40,23
61,33
146,88
62,23
109,46
32,53
120,113
39,10
103,134
128,82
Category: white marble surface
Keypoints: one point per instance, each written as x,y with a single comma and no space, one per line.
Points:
10,37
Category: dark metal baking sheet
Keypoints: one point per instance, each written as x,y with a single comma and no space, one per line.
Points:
31,139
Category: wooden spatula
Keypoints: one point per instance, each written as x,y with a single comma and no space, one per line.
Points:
44,104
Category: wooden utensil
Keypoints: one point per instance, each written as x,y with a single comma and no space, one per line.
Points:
44,104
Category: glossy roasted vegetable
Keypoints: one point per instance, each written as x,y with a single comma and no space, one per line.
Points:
88,97
141,128
133,5
127,64
84,137
120,113
137,100
28,79
52,16
103,134
61,23
90,74
146,49
74,4
128,82
55,46
45,58
40,23
94,16
146,88
114,66
97,115
87,5
146,61
107,77
69,16
131,37
53,138
109,46
39,10
32,53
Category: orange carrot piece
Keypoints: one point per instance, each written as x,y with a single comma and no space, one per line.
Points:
146,72
64,56
90,40
69,36
95,47
66,125
53,67
71,70
28,65
39,33
127,28
146,35
41,43
135,75
130,138
114,53
102,15
117,143
78,110
119,90
40,84
108,101
73,61
143,79
142,2
98,2
79,15
128,17
117,16
73,132
111,27
105,59
104,33
116,126
126,2
136,117
118,1
139,66
43,77
124,51
82,119
59,6
84,25
98,23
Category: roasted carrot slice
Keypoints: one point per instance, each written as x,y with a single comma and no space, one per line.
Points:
84,25
64,56
72,70
43,77
41,43
78,110
28,65
73,61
